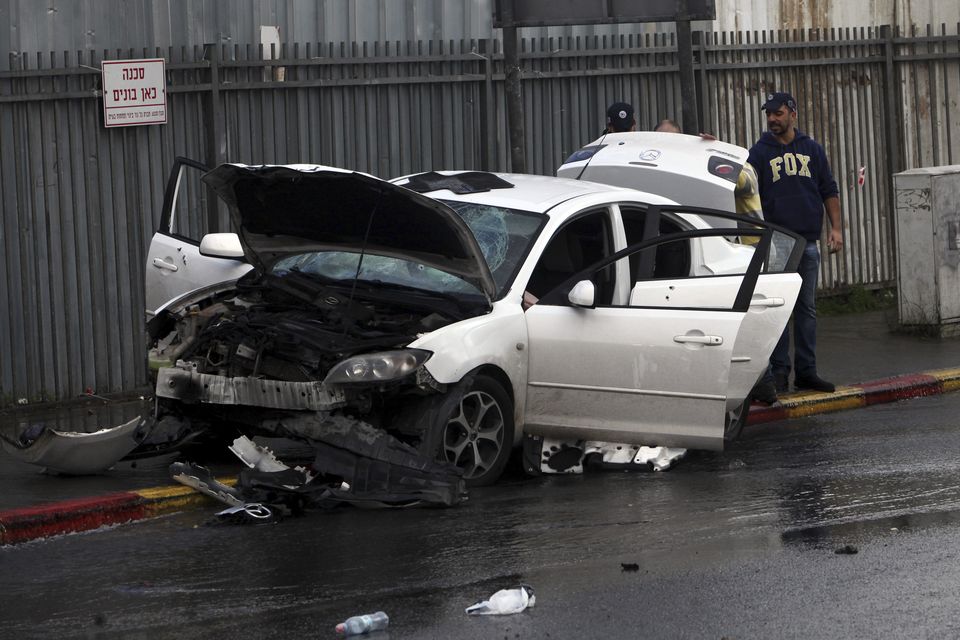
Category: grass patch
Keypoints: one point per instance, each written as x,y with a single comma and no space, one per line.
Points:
856,299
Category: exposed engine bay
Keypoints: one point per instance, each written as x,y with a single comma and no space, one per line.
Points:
275,341
278,328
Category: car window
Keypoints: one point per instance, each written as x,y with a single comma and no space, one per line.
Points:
504,235
727,254
706,291
714,270
672,259
575,246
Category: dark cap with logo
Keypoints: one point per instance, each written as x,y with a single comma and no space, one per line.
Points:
620,116
775,100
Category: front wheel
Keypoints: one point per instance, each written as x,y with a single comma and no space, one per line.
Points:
477,435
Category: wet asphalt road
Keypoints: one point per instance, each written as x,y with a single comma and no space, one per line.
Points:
739,544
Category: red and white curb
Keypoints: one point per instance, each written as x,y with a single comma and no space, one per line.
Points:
84,514
914,385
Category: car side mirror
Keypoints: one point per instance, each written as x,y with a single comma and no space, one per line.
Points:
221,245
582,294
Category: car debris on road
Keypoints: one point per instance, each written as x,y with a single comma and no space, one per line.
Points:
550,456
76,453
392,475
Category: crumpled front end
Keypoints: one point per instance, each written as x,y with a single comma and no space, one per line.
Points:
323,369
186,384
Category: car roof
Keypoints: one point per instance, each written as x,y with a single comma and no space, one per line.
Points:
534,193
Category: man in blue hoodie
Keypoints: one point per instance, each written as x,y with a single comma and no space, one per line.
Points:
796,186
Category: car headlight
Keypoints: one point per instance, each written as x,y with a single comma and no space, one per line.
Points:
377,367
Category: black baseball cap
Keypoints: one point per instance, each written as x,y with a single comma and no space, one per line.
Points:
620,116
774,100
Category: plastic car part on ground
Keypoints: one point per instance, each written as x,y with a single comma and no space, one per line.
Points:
252,513
377,467
660,458
354,463
543,455
505,602
77,453
262,459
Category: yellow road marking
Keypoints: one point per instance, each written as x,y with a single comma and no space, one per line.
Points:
949,378
156,494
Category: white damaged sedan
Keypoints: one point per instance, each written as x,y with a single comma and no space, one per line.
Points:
462,312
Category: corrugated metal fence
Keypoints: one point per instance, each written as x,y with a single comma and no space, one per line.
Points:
79,202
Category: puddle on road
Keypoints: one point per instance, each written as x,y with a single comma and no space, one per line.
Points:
863,530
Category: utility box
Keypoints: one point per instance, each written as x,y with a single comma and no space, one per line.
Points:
928,248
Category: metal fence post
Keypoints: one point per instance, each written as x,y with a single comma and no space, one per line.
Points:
488,109
893,124
216,141
891,89
688,89
701,83
512,87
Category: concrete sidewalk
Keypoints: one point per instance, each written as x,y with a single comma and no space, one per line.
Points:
857,347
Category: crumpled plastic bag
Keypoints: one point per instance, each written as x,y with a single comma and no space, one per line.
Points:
504,602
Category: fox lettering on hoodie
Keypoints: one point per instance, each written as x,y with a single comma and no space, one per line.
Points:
794,181
791,164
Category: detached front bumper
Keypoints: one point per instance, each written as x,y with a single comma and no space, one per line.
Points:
191,387
79,453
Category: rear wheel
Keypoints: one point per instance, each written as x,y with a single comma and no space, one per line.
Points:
477,434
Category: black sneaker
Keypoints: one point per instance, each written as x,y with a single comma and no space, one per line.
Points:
780,382
764,392
814,382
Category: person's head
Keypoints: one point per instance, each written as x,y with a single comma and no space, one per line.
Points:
781,111
620,118
667,126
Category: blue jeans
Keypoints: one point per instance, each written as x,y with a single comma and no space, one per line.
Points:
804,322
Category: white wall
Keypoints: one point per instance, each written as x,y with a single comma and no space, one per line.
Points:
751,15
94,25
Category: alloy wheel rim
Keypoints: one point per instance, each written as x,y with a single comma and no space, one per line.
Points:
473,437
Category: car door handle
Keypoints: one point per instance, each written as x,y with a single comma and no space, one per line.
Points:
160,263
768,302
710,341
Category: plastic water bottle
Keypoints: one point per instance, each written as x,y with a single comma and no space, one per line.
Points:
357,625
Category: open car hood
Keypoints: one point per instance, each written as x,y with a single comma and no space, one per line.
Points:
686,169
282,210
